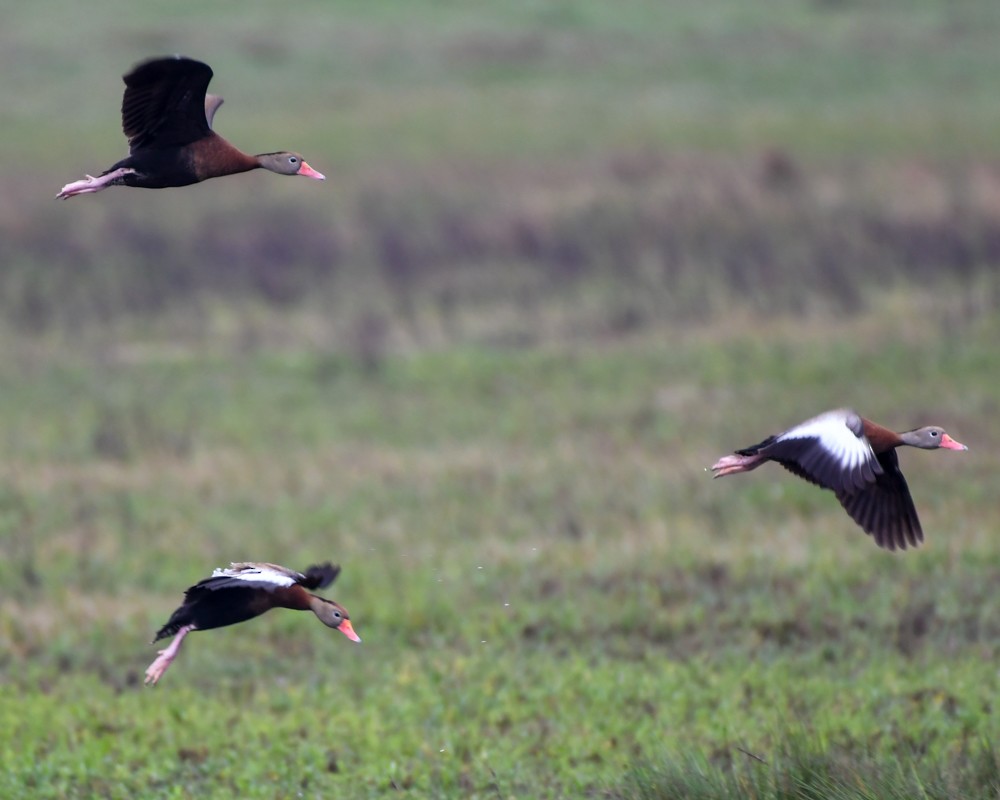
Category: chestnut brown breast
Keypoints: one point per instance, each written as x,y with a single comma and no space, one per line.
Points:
213,157
881,439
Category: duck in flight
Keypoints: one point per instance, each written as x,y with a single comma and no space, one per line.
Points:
167,118
856,459
244,591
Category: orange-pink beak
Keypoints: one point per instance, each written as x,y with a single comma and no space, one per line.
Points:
306,171
347,629
951,444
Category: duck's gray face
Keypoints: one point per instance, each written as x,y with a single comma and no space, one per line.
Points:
931,438
286,163
335,615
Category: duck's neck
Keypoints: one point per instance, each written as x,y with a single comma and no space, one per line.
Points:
217,157
316,604
881,439
294,597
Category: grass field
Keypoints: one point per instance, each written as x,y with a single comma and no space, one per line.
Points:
549,587
568,255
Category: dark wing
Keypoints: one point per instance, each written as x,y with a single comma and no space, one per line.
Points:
885,510
246,575
805,458
786,455
319,576
203,589
164,103
810,460
829,450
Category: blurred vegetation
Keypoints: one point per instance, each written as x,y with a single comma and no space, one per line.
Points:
568,253
508,173
625,244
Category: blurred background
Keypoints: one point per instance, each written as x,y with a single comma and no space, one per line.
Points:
566,255
509,174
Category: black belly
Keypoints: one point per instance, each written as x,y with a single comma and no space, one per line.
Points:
157,169
214,609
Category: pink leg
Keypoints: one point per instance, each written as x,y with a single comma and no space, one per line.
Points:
159,666
728,465
91,184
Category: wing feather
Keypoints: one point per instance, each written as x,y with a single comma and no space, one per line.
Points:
164,103
829,450
269,577
885,509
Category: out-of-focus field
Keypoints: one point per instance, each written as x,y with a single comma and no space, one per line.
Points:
567,255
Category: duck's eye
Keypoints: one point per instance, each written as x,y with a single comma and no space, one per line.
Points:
934,433
336,615
293,160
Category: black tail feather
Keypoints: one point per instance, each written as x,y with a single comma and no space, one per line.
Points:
181,617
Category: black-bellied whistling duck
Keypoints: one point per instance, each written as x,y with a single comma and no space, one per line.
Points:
856,459
242,592
167,118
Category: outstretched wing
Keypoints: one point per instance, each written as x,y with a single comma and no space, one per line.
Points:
164,103
829,450
885,509
246,575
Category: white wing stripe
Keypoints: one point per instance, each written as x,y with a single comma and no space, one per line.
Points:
832,433
255,575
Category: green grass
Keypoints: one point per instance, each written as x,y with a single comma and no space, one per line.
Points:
806,768
550,589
